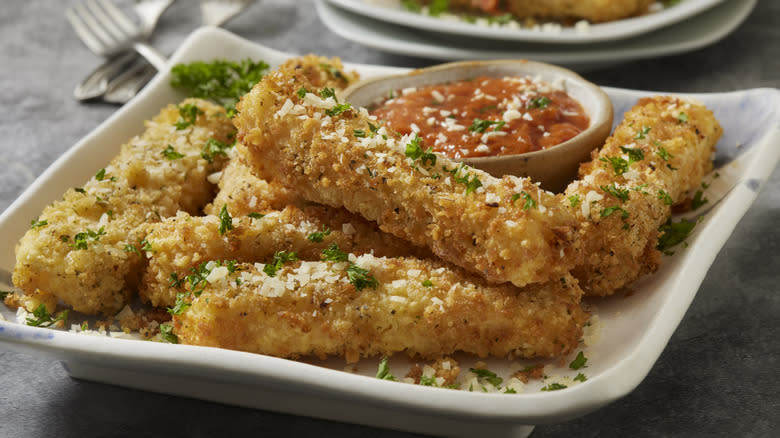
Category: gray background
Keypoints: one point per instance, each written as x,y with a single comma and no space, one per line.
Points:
719,375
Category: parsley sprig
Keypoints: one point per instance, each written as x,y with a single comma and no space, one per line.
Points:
280,258
42,318
188,115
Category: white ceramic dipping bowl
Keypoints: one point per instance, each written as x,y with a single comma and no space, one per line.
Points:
554,167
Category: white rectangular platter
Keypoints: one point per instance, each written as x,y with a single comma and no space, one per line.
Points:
635,327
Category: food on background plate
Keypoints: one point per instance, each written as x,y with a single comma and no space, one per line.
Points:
484,116
564,10
266,270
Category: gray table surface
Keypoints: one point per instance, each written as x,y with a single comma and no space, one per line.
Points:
717,377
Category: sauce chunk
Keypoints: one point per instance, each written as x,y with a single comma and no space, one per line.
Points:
485,116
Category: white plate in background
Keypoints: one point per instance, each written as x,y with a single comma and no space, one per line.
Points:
611,31
636,328
699,31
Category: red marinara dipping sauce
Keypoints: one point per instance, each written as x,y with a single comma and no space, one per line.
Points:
485,116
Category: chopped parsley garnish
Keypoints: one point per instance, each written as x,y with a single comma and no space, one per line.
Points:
538,102
480,126
334,254
38,223
437,7
171,154
319,236
634,154
411,6
280,258
383,370
328,92
682,117
188,115
360,277
132,248
174,280
5,293
101,174
609,210
672,233
255,215
428,381
698,200
661,152
664,196
42,318
197,280
427,283
302,92
167,335
642,134
359,133
222,82
488,375
146,245
574,200
333,71
79,189
181,305
414,151
338,109
554,387
580,377
509,391
619,165
214,148
83,239
529,201
578,361
225,220
471,181
616,191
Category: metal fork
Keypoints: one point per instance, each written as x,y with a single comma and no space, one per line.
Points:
106,30
213,13
96,83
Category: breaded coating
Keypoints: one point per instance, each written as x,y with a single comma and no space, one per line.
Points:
320,71
244,192
507,230
86,249
592,10
423,308
660,151
183,242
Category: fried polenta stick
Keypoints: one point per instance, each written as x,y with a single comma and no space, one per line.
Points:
421,307
244,193
85,249
180,244
507,230
660,151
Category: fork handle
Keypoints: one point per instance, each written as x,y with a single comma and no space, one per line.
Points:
157,59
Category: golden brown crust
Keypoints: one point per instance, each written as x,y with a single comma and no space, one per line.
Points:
483,229
312,309
139,186
183,242
676,139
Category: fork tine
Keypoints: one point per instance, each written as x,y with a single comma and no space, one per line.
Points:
87,37
106,23
91,25
119,17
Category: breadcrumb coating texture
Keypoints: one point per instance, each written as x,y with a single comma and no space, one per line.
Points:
183,242
465,216
107,215
421,307
658,154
